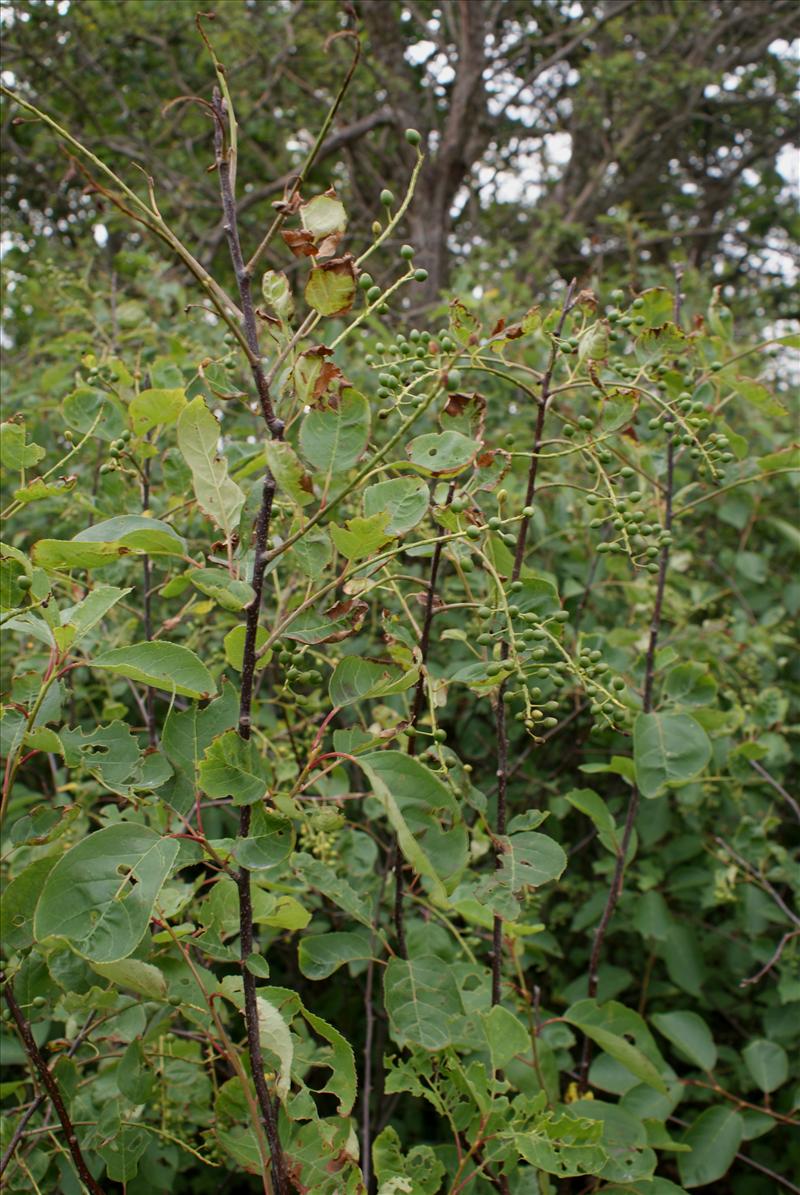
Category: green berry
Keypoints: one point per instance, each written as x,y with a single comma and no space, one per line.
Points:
420,275
24,582
365,281
386,197
407,252
439,736
473,532
453,380
413,137
373,294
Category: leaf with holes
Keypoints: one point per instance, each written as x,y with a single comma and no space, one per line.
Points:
101,894
442,454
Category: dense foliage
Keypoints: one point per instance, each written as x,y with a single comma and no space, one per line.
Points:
399,723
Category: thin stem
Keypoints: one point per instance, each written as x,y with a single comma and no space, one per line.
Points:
618,877
50,1086
275,427
416,710
519,556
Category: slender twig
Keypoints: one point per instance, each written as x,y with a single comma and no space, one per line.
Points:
51,1087
617,880
150,710
19,1131
764,883
416,710
519,557
785,940
779,789
226,173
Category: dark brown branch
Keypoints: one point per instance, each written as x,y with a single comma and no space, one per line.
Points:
19,1131
519,557
50,1086
416,710
275,427
633,801
785,940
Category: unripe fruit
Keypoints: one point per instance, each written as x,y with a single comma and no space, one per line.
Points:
473,533
439,736
387,198
413,137
373,294
420,275
24,582
453,380
365,282
407,252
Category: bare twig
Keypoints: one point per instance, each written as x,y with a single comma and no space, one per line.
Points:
744,983
519,557
50,1086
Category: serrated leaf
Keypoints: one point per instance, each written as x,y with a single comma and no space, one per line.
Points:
291,477
226,591
354,679
232,767
15,453
274,1035
150,408
361,537
198,441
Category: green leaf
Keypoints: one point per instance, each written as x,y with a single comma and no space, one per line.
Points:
411,797
268,844
405,500
595,808
150,408
319,955
506,1035
337,889
331,288
442,454
226,591
277,294
185,736
15,454
94,411
667,749
102,892
767,1063
77,621
691,1036
690,684
325,218
361,537
167,666
198,440
233,646
274,1036
232,767
609,1025
123,1151
395,1170
354,679
423,1002
135,975
527,860
19,901
134,1078
759,396
564,1145
714,1138
111,753
291,477
658,306
106,542
333,438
